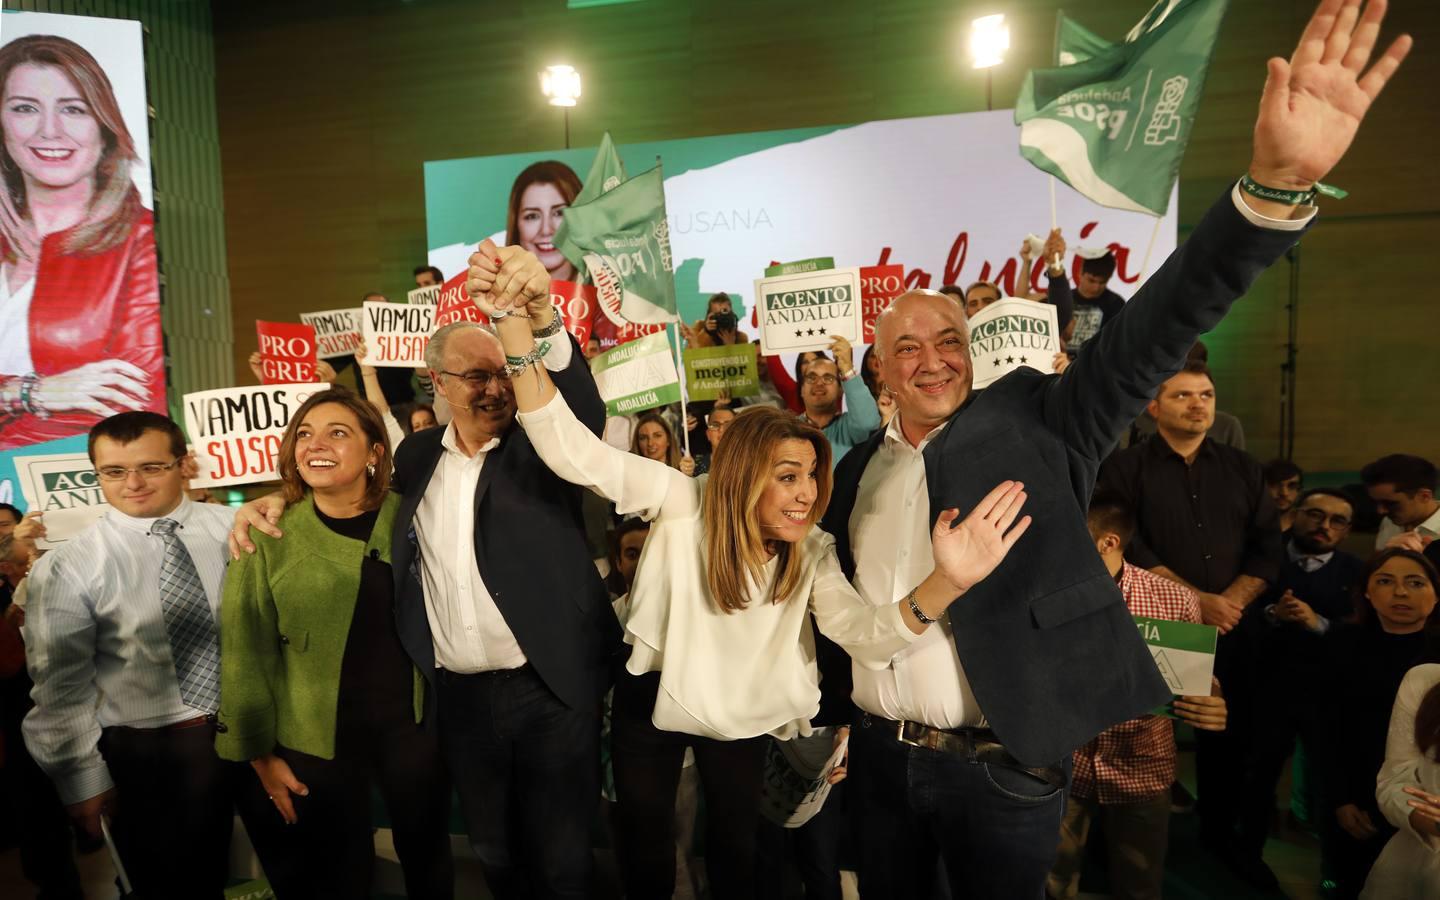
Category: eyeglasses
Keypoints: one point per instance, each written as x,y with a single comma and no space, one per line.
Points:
479,378
717,426
147,471
826,379
1318,515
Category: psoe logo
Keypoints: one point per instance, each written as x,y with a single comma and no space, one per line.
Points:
1165,121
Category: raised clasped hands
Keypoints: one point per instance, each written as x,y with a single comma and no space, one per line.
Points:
967,552
1314,102
502,280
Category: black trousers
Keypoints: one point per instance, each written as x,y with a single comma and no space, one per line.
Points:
330,851
1282,712
647,764
527,768
31,806
814,848
1221,756
174,809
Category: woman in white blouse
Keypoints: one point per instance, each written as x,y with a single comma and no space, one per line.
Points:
722,651
1408,791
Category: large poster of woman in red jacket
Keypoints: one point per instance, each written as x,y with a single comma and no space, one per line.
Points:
80,335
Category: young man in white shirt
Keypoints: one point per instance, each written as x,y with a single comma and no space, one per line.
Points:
122,643
1403,488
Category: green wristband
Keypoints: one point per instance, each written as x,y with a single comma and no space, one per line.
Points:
1291,198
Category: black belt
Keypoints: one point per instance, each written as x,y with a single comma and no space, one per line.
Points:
979,744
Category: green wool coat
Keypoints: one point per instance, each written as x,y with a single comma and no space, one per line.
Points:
284,621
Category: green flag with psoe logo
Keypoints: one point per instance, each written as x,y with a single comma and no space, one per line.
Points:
622,239
1075,43
607,172
1114,126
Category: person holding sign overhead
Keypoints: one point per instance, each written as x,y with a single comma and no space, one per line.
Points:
727,579
317,693
963,746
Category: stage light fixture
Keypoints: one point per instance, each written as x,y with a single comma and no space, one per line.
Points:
561,84
989,39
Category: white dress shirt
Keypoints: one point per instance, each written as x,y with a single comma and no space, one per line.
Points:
95,638
466,627
723,675
1388,529
890,534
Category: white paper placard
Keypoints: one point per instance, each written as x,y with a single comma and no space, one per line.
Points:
804,311
1010,334
396,333
65,488
337,331
236,432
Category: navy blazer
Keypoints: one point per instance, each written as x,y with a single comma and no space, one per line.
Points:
1047,642
530,545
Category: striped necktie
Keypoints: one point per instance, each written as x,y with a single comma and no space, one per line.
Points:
188,623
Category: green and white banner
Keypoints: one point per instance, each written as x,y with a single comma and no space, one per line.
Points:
1184,653
710,370
1114,126
1011,334
804,311
637,376
738,201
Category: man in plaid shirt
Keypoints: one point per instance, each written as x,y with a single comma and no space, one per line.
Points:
1124,774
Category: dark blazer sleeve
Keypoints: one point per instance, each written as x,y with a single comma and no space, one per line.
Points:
1059,295
577,386
1118,371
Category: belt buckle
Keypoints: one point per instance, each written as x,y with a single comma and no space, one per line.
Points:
900,736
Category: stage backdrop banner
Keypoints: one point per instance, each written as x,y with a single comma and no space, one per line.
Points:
337,331
710,370
1012,334
287,352
77,317
396,333
949,196
805,311
65,488
236,432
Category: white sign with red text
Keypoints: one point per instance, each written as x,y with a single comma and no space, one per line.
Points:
337,331
395,334
236,432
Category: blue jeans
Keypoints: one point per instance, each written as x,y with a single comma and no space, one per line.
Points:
527,768
997,828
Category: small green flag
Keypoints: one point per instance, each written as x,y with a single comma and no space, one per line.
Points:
607,172
1075,43
1114,126
622,239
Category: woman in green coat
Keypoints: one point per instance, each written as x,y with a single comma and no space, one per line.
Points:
316,691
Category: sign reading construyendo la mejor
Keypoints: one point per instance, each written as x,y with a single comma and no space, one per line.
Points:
636,376
804,311
710,370
1184,653
1010,334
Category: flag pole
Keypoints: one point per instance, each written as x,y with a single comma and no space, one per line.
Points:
1145,265
684,385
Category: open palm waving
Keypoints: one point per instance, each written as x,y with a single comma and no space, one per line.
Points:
1314,102
967,552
